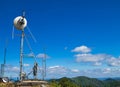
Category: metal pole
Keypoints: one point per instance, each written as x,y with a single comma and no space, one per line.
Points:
21,54
4,61
2,70
42,68
44,65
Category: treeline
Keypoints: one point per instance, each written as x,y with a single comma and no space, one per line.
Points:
83,82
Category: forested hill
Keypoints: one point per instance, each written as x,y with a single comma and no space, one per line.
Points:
82,81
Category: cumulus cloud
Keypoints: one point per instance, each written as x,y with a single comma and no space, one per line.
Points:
60,71
57,70
75,70
82,49
26,65
42,55
53,67
13,69
113,61
85,56
107,70
30,55
96,58
102,72
97,64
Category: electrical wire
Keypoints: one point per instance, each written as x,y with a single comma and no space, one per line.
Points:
31,34
29,46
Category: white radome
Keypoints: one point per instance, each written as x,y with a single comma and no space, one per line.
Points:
20,23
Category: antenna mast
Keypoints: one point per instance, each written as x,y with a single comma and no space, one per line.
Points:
21,54
20,23
4,63
44,65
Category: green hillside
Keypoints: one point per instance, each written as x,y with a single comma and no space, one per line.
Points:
83,81
112,82
88,82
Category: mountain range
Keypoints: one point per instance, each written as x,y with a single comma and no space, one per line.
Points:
82,81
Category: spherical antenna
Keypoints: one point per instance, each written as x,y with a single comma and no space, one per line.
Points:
20,22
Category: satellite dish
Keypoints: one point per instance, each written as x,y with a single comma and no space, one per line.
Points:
5,79
20,22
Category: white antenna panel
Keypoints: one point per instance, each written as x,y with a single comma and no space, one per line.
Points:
20,22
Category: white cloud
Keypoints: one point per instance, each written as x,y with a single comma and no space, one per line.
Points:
97,64
95,59
102,72
91,57
26,65
57,70
30,55
114,61
98,59
75,70
13,69
60,71
83,49
42,55
107,70
53,67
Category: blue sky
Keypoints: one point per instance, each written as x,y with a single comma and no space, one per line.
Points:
81,37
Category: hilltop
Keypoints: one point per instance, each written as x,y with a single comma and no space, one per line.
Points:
82,81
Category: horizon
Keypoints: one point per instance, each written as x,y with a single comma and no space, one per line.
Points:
80,38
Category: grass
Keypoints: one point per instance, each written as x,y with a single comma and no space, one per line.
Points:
7,85
13,85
